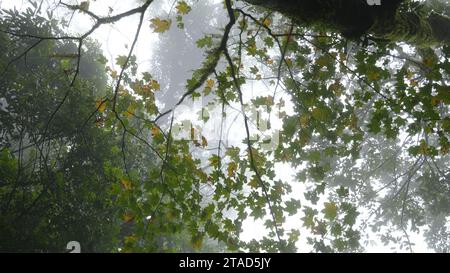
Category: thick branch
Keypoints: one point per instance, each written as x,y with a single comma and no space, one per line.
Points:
354,18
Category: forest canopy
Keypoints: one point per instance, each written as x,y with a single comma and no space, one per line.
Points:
256,125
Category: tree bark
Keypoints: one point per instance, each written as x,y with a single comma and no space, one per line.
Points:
354,18
441,27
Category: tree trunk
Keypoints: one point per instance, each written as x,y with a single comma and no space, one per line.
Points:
354,18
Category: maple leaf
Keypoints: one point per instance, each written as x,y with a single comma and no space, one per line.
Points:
210,83
121,61
330,211
155,131
183,8
160,26
84,6
231,168
128,217
304,120
155,85
197,241
125,183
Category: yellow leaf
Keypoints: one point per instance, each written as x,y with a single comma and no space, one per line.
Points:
409,75
354,122
232,168
204,142
435,101
192,133
155,131
197,242
288,62
336,87
122,91
114,74
130,110
253,183
183,8
130,240
373,75
243,23
128,217
267,22
125,183
171,215
100,105
304,120
428,62
444,150
155,85
323,61
207,91
321,114
210,83
160,26
423,148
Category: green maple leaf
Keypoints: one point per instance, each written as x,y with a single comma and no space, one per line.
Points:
330,210
121,60
292,206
